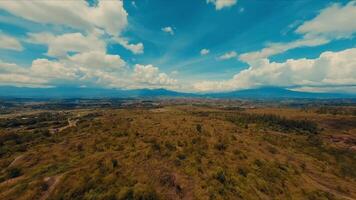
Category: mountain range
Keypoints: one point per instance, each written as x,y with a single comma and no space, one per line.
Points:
77,92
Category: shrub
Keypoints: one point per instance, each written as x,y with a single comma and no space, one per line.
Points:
199,128
14,172
272,149
221,146
242,172
220,175
115,163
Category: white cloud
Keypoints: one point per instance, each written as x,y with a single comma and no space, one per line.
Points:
98,60
40,38
47,70
88,68
331,68
109,17
10,68
220,4
168,29
333,22
61,45
326,89
277,48
95,68
12,74
204,52
9,42
149,74
134,48
228,55
21,80
80,56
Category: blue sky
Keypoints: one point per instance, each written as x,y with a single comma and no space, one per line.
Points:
200,46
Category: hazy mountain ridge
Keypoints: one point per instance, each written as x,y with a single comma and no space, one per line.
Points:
74,92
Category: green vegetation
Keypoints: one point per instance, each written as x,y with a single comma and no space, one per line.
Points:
336,110
275,122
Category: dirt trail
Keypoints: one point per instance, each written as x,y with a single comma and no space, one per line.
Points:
15,161
11,181
326,188
52,183
71,123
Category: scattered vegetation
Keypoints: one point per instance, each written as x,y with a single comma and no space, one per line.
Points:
336,110
183,152
275,122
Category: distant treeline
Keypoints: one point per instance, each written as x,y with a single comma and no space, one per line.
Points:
28,120
337,110
275,122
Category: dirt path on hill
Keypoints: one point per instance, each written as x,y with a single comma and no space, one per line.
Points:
52,183
71,123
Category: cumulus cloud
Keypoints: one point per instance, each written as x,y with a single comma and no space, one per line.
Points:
149,74
228,55
204,52
10,43
220,4
88,68
41,72
98,60
12,74
107,16
47,69
80,56
334,22
61,45
168,29
96,68
21,80
330,68
10,68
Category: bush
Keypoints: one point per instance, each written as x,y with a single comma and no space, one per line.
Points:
13,172
221,146
199,128
220,176
242,172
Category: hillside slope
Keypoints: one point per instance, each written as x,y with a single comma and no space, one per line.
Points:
178,152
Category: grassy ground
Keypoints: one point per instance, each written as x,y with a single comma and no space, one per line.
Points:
180,152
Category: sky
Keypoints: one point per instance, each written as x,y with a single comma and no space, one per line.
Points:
182,45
